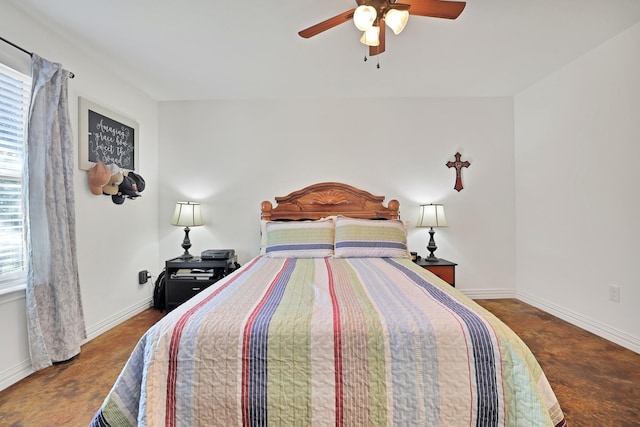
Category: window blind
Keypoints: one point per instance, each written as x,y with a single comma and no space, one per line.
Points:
14,105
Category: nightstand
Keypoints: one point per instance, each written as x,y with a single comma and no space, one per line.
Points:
446,270
188,277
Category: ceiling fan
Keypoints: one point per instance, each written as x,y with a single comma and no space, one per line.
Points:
371,15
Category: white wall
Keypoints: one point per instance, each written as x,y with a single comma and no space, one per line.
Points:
231,155
577,152
576,142
114,242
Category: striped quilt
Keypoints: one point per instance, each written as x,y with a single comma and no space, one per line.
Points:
330,342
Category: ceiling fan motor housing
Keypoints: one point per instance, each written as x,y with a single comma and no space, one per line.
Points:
382,6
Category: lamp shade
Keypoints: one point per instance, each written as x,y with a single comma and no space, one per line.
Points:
396,20
371,37
364,17
187,214
432,215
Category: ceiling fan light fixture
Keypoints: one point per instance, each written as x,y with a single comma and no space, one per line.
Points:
396,20
371,37
364,17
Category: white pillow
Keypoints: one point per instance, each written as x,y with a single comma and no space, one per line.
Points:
299,239
366,238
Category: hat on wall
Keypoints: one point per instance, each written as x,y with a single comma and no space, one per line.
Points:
118,199
138,180
99,176
129,188
111,187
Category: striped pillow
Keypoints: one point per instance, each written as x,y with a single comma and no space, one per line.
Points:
365,238
300,239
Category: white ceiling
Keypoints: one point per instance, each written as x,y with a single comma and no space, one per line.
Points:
208,49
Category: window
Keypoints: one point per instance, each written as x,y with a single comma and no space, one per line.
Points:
14,104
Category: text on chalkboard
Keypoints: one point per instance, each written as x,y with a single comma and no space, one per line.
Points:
111,141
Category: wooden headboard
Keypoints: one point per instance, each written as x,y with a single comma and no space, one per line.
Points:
330,198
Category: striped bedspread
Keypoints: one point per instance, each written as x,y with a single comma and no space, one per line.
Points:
330,342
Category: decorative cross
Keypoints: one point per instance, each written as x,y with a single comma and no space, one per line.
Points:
458,165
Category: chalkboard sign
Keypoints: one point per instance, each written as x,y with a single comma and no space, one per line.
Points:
106,136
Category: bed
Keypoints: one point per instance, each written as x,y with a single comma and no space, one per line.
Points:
332,324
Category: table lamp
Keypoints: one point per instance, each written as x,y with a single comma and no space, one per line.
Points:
431,215
187,214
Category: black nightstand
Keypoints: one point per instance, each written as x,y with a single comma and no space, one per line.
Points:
186,278
446,270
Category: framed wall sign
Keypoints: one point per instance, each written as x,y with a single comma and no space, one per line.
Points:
106,135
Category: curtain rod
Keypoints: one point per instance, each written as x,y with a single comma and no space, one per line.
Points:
71,75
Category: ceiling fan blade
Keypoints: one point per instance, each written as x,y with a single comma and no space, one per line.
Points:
436,8
326,25
376,50
399,6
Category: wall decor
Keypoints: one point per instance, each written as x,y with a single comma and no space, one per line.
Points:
107,136
458,164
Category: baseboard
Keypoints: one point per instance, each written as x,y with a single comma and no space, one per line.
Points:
489,293
598,328
22,370
14,374
112,321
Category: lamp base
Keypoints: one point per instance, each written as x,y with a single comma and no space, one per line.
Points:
186,244
431,247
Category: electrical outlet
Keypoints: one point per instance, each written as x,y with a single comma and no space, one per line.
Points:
143,276
614,293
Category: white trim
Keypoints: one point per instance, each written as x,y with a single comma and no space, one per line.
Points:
489,293
16,283
12,294
598,328
22,370
116,319
16,373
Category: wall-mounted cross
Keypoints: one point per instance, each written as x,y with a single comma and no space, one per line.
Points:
458,165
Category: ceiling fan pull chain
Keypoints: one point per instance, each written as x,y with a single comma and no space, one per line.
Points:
378,66
365,53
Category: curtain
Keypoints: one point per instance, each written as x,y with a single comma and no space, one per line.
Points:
54,308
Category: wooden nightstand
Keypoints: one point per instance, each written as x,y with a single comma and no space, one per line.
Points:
186,278
446,270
